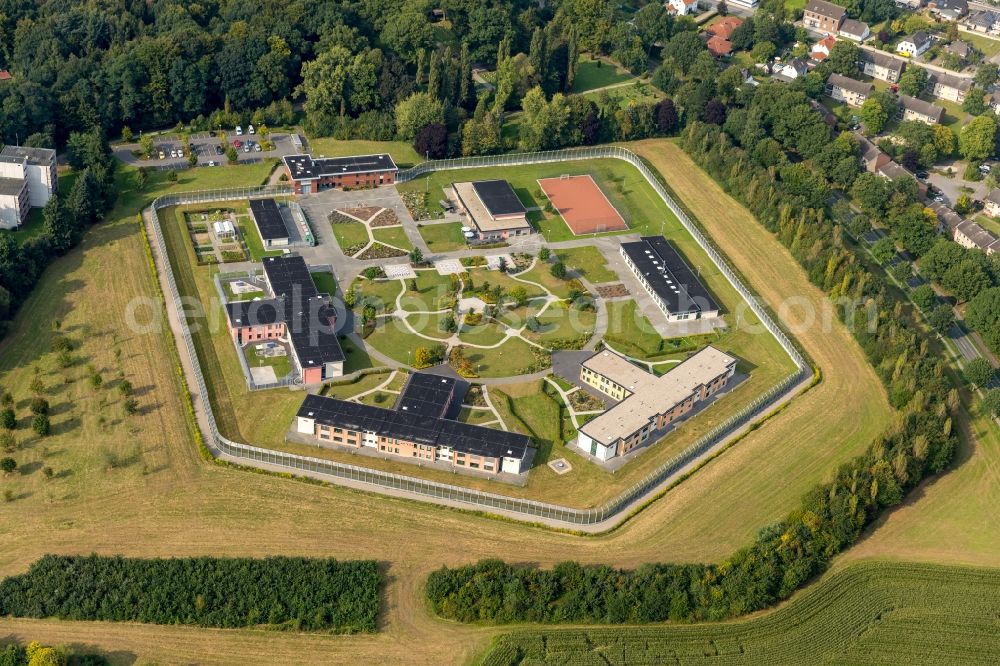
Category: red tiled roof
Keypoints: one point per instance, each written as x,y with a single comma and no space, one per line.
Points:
724,28
718,46
4,75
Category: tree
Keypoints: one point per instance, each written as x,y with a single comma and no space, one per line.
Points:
913,81
146,146
423,357
884,250
762,52
544,254
978,139
944,140
8,442
843,58
876,111
941,318
924,297
8,465
991,403
979,372
432,141
39,405
558,270
666,117
126,134
682,50
40,424
974,101
715,112
519,295
8,419
125,387
416,112
986,75
416,255
130,406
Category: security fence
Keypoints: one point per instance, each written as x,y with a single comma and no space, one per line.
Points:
377,480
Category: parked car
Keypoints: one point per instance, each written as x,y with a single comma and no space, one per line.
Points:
162,155
239,131
939,199
237,143
922,175
246,148
219,150
985,168
211,163
256,147
250,129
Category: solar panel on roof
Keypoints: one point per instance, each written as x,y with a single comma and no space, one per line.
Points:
498,197
268,219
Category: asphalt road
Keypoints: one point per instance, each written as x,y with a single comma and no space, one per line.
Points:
204,147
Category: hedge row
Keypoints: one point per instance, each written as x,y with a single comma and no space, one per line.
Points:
286,592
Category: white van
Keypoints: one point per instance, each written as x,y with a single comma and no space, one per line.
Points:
250,129
239,131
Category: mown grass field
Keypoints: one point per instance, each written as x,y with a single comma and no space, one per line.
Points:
184,506
443,237
592,73
869,613
402,152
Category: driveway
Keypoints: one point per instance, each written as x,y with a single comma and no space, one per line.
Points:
952,187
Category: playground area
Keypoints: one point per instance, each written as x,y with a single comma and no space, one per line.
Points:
582,204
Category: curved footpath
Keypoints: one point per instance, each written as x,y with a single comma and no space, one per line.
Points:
201,401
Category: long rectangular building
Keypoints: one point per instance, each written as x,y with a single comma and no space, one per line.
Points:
493,208
296,311
415,429
270,225
309,175
665,275
647,403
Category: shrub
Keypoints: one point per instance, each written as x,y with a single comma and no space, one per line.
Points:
8,419
544,254
559,270
40,424
8,465
39,405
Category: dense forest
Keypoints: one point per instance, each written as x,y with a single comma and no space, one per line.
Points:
776,155
282,592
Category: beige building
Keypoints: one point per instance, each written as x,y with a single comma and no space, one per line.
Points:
880,65
14,202
911,108
991,204
647,403
948,86
493,208
27,180
848,90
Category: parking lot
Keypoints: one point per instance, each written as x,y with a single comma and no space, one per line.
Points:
207,147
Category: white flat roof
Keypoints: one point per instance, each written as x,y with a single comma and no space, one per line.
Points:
653,395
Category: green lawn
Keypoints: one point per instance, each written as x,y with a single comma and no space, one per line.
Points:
325,282
483,334
394,236
382,399
359,385
33,225
402,152
989,47
624,186
562,325
541,273
476,416
350,236
625,96
397,342
282,364
514,357
430,324
355,358
588,262
482,276
988,223
432,287
873,612
444,237
250,236
382,292
592,73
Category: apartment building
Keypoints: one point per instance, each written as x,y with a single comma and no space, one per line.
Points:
647,403
27,180
848,90
948,86
881,66
911,108
415,429
822,16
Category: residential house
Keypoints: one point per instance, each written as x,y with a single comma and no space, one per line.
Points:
949,10
984,21
719,47
948,86
5,75
972,236
995,102
791,70
948,219
914,45
847,90
881,66
682,7
746,4
991,204
821,49
910,4
822,16
872,157
724,27
911,108
857,31
893,171
829,117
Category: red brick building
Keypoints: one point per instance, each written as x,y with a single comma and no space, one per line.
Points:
309,175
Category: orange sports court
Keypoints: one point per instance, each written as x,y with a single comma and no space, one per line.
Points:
582,204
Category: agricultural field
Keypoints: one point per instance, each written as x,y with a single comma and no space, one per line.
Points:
870,612
145,509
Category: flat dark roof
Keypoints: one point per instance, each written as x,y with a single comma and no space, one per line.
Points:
669,275
308,317
426,395
268,219
498,197
461,437
305,167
